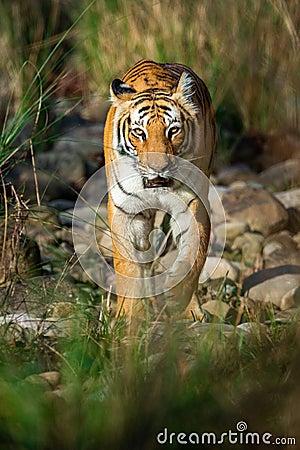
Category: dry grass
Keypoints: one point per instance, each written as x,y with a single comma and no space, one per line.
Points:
246,51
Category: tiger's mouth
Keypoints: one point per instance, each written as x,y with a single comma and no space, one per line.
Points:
157,182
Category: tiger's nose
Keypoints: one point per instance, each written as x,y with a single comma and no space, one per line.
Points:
157,162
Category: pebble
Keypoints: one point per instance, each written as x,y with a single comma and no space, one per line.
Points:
52,377
252,328
281,248
291,298
260,209
215,267
282,176
46,380
250,245
274,285
43,327
229,174
232,230
290,199
67,166
216,308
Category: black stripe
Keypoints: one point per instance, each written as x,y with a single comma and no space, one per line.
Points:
165,108
142,99
118,133
122,210
143,115
144,108
184,112
165,113
130,194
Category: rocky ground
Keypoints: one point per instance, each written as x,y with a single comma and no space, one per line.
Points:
257,280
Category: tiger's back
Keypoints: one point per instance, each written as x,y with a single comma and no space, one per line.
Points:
159,112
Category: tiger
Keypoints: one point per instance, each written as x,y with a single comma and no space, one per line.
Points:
159,112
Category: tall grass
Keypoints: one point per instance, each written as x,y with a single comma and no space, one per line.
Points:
36,48
246,51
29,32
114,396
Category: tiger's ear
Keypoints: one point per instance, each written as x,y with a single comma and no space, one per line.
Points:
184,92
120,91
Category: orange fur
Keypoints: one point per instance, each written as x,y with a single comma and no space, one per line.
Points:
152,82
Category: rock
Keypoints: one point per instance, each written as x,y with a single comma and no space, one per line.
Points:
63,310
44,380
282,176
292,297
280,249
238,184
289,315
231,229
261,211
250,245
49,186
86,142
60,204
252,328
66,165
229,174
281,240
66,217
218,216
294,220
215,267
296,238
282,256
188,330
75,155
53,378
40,326
38,382
216,308
289,199
95,189
35,296
273,285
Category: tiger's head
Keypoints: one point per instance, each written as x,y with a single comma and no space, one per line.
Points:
155,125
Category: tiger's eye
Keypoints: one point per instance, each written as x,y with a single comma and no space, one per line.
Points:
172,131
139,132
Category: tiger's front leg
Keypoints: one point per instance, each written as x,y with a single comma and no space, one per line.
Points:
132,257
192,244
